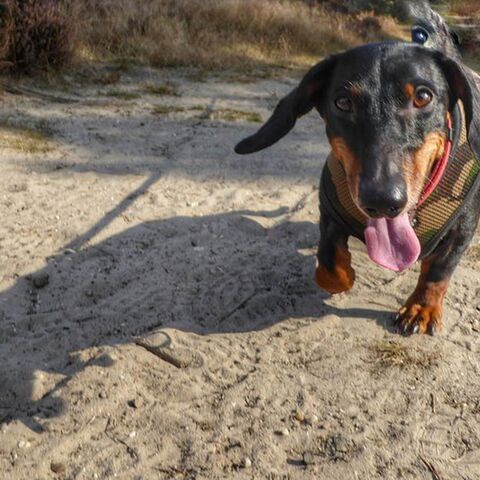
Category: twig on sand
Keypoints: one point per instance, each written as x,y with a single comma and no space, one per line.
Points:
432,469
238,307
432,402
164,355
131,451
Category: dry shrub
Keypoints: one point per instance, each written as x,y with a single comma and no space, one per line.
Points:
389,353
212,33
7,28
37,34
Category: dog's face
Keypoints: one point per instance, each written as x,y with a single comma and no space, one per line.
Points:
386,111
385,107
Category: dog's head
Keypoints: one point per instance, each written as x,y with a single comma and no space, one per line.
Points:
386,107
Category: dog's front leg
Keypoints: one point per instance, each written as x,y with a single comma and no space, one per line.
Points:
334,271
422,313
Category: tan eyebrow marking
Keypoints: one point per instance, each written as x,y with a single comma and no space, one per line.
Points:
409,90
354,89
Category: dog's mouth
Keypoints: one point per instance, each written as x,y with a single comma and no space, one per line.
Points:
391,239
392,242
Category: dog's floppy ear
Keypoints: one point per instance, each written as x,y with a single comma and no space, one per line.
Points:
465,86
297,103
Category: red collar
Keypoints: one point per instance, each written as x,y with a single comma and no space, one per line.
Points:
439,168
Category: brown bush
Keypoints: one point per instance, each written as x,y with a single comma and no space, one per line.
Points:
38,34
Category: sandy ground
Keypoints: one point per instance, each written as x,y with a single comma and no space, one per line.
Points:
158,318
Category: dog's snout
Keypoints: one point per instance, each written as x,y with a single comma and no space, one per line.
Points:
382,199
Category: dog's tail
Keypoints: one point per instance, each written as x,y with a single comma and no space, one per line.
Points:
429,28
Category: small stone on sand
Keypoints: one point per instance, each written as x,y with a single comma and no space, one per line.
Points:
299,415
40,280
58,467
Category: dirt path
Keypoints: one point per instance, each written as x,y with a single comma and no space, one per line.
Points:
158,318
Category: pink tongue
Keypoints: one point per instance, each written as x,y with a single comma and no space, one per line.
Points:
392,242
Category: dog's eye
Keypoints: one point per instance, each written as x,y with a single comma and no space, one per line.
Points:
419,35
344,104
423,96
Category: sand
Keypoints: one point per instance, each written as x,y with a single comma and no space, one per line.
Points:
158,317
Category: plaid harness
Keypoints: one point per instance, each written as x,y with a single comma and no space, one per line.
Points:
435,215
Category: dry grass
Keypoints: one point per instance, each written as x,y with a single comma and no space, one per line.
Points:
26,139
232,115
161,89
123,94
217,34
166,109
220,114
468,8
245,35
394,354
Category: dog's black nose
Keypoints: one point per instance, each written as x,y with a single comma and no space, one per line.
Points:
385,200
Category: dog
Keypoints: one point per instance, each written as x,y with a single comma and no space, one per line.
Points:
403,175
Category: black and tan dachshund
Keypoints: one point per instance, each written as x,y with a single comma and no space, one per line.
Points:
394,113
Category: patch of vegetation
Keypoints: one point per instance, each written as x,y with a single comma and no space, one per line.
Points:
123,94
377,6
232,115
198,75
109,78
165,109
161,89
256,74
124,64
225,114
37,35
28,139
203,35
213,35
390,353
467,8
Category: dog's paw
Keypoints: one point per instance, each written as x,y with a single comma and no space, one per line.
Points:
341,278
417,318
